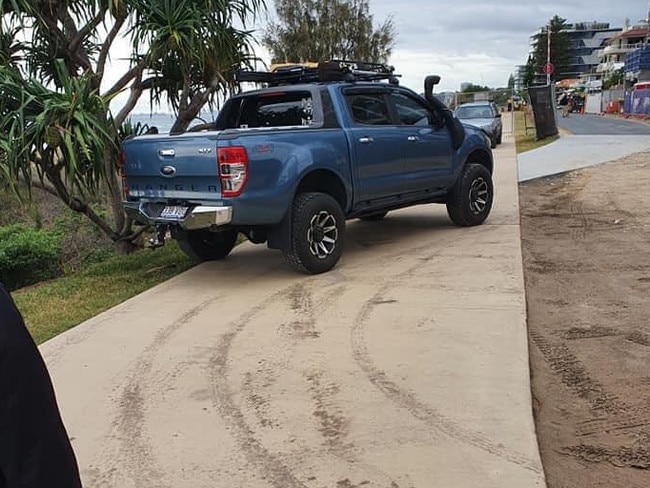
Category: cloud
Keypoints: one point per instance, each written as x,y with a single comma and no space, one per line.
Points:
476,41
479,41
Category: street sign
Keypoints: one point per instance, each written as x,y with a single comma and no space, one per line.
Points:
547,69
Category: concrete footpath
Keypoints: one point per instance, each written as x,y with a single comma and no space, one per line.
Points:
404,367
572,152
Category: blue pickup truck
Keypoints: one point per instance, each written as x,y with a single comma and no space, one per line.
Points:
289,163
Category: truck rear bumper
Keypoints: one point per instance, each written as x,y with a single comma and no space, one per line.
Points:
200,217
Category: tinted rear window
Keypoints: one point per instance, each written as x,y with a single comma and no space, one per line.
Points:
271,109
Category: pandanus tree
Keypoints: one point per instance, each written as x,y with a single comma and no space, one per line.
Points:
59,123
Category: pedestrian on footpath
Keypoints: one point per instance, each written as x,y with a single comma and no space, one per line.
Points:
565,102
35,451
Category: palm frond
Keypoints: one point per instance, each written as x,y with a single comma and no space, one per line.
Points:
58,135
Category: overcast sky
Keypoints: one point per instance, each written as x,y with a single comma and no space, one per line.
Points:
478,41
482,41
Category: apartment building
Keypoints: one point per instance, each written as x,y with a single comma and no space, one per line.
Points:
586,40
613,55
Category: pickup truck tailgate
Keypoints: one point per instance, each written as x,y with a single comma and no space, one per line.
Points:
179,168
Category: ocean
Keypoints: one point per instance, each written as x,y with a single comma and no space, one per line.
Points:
164,121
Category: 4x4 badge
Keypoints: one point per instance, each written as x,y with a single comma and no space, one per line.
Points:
205,150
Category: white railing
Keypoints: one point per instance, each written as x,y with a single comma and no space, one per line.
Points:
622,48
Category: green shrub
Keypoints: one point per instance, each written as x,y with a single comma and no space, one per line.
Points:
82,242
28,255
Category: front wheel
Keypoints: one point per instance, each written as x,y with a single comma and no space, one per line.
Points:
470,201
203,245
317,233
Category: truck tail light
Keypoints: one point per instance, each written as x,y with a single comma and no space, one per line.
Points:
233,170
121,166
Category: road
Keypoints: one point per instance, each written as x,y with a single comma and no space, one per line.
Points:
589,124
586,140
406,366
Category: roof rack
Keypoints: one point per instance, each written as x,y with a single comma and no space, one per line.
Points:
334,70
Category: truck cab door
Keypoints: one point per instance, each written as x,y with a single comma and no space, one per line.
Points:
425,143
375,145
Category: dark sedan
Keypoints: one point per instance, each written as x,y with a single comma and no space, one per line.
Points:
484,115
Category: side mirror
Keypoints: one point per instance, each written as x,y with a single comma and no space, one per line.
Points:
498,116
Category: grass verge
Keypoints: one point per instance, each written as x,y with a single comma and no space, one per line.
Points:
525,135
55,306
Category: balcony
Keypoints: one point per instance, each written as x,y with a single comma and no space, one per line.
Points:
621,49
609,67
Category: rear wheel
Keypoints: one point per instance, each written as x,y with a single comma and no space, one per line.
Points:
203,245
317,233
470,201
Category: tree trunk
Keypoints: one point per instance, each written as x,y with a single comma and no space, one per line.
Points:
187,114
126,247
115,196
123,238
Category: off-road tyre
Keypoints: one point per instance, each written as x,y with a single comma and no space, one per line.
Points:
203,245
317,233
470,201
374,217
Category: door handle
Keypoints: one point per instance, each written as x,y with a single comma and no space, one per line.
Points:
366,140
413,138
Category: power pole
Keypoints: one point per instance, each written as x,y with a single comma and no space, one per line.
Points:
548,53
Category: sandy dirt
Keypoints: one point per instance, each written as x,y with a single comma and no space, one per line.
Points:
586,246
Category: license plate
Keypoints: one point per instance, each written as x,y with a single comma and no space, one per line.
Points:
173,212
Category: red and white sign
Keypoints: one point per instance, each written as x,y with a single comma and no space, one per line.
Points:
547,69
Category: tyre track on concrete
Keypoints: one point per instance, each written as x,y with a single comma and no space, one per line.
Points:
136,455
329,418
332,422
299,326
269,465
135,452
301,302
406,399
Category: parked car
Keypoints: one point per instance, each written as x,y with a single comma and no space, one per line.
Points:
484,115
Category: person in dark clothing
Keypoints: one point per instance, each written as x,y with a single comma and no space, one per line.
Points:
565,103
35,451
